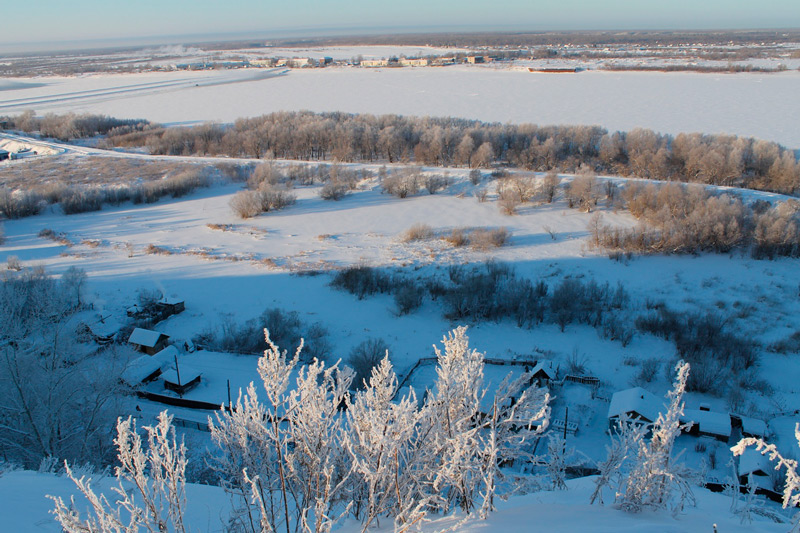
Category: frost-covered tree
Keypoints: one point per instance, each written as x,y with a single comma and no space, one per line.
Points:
656,480
791,490
151,485
625,441
58,397
284,458
379,439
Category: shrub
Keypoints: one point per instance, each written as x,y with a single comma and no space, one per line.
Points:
458,237
362,281
246,204
19,204
475,176
435,183
418,232
402,184
334,191
483,239
364,357
408,297
12,263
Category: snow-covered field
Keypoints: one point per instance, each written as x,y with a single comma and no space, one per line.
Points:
566,511
758,105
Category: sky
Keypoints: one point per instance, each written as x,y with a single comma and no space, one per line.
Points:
84,20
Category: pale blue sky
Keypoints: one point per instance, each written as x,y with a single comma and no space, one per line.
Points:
58,20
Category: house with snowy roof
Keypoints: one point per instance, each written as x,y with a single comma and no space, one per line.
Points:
148,341
707,423
543,373
753,465
146,368
181,378
637,404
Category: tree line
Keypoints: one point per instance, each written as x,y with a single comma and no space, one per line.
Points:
725,160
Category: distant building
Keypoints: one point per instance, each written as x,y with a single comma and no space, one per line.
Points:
414,62
300,62
148,341
473,60
371,63
4,154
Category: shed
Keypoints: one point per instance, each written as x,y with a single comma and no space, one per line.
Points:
708,423
181,380
146,368
148,341
751,427
543,372
752,462
638,403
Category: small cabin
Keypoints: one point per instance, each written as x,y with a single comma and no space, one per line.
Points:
181,379
543,373
752,462
705,422
148,341
637,404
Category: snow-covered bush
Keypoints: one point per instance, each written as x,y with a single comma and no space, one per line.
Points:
791,487
656,480
151,485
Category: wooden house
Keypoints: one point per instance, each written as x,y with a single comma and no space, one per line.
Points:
181,379
637,403
148,341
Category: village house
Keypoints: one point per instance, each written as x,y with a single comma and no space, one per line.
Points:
637,403
705,422
148,341
146,368
543,373
181,378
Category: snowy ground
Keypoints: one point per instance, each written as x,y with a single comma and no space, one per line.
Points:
550,511
757,105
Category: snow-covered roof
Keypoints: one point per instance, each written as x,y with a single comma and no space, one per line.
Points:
752,461
145,337
546,367
142,367
754,426
710,422
635,400
188,374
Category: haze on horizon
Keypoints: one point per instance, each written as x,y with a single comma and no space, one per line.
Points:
155,21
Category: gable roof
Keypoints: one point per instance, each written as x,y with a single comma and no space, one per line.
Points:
145,337
635,400
142,367
546,367
710,422
188,374
751,461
